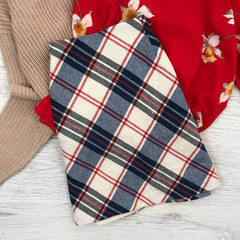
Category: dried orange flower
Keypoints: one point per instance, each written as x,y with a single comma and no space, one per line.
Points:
128,13
133,11
209,55
80,29
227,93
229,89
200,120
209,49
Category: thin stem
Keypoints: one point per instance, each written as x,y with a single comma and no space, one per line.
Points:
79,9
227,37
237,13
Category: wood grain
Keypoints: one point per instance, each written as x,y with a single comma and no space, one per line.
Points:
34,204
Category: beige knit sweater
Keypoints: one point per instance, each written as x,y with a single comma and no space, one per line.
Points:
26,28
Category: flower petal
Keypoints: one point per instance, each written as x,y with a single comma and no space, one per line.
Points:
74,34
204,59
238,36
134,3
211,35
213,40
204,47
87,19
229,14
218,52
145,11
238,47
231,21
75,19
204,38
223,97
225,85
199,124
122,8
205,42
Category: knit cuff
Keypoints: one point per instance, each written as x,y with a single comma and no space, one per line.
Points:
21,135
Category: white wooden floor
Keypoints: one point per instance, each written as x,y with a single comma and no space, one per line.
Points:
34,204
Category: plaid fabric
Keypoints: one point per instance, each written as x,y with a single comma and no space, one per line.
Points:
126,132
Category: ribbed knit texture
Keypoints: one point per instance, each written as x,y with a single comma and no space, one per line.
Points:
26,28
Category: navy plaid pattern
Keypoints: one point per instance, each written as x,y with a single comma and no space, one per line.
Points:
126,132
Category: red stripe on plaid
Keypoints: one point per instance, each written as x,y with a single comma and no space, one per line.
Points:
71,124
143,59
70,50
77,92
118,72
165,153
135,50
209,177
151,176
115,182
167,147
107,177
53,75
123,123
84,81
88,200
150,172
151,139
144,56
61,58
186,163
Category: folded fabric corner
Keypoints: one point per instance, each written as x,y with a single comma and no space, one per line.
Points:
44,111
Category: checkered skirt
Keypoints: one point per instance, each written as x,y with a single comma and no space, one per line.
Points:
126,132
